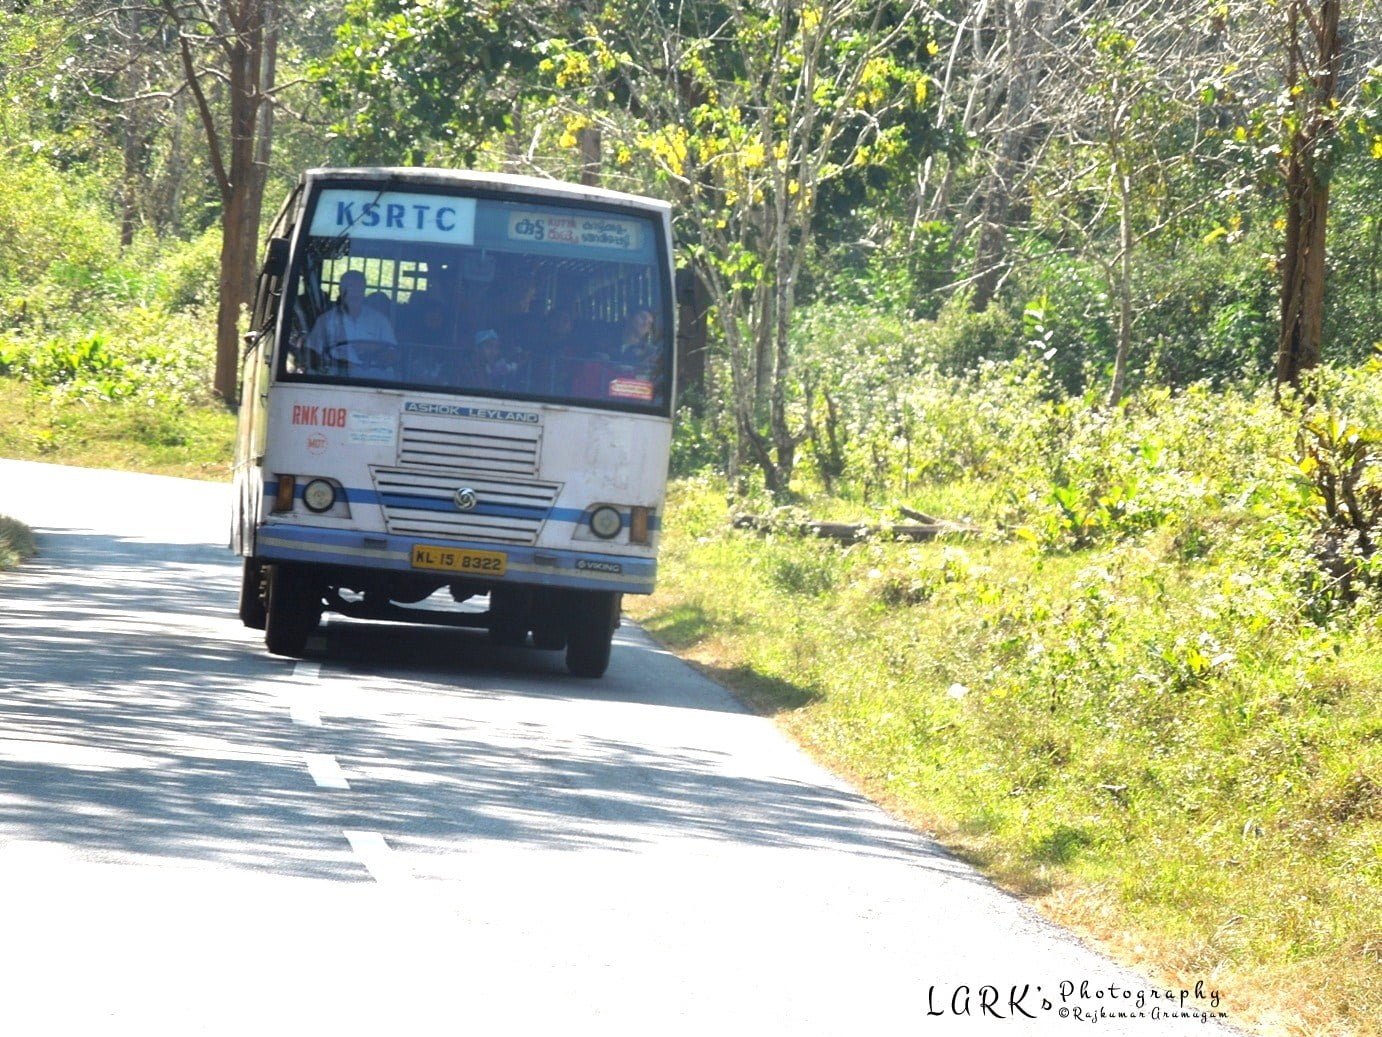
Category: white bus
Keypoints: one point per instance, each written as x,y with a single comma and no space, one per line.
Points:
456,385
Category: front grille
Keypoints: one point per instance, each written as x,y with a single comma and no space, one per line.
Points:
493,448
423,504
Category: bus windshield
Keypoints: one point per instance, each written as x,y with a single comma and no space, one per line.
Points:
455,292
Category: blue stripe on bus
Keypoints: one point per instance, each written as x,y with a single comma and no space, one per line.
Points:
355,495
419,502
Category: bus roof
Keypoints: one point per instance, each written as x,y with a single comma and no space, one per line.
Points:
433,176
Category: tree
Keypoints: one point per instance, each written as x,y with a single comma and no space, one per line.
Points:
744,111
1304,73
1314,55
411,83
997,63
225,56
235,47
1138,123
1084,117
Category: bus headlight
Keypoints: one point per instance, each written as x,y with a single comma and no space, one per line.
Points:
606,522
319,496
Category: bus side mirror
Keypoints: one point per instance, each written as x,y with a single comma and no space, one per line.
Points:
276,259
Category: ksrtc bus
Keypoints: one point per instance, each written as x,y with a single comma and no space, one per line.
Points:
456,385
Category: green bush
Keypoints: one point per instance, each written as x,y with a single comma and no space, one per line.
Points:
190,273
56,244
1068,320
155,357
16,542
1157,697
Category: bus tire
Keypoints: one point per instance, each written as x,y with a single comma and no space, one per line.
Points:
252,612
293,612
590,632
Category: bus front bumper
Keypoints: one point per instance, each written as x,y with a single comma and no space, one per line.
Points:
538,566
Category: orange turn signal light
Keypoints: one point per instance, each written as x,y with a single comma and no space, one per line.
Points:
287,489
638,525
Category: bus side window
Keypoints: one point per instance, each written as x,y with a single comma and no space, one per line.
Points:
269,290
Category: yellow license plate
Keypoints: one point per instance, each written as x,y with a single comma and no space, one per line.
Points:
452,560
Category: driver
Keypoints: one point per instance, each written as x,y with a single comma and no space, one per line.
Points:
353,338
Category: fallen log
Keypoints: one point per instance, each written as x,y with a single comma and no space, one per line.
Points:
850,533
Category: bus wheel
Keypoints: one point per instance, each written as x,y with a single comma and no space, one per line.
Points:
590,631
294,610
252,595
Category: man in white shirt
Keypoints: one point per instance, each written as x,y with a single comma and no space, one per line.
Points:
352,338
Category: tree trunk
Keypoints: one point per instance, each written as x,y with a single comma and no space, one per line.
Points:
250,51
131,132
1312,76
1302,274
1124,286
1016,134
588,147
237,257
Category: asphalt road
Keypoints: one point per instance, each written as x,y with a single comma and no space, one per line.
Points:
413,832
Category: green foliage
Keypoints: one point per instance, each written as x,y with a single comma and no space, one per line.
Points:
876,391
413,82
1344,465
1156,693
189,275
1068,321
155,357
174,436
56,243
697,440
16,543
1338,458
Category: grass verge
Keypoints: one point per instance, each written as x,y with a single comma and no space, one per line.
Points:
16,543
1147,738
163,437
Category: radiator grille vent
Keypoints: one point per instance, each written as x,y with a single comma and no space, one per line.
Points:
494,448
424,504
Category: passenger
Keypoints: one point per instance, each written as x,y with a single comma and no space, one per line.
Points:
351,338
561,331
428,321
635,346
511,311
439,314
557,353
498,366
432,355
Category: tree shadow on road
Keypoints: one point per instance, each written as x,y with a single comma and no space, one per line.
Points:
139,719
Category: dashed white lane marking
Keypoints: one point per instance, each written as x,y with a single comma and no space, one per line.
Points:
304,713
325,771
301,708
386,867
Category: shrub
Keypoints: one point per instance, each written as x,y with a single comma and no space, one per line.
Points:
156,357
16,542
56,240
191,272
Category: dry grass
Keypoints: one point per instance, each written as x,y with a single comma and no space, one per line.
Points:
16,543
193,442
1246,848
